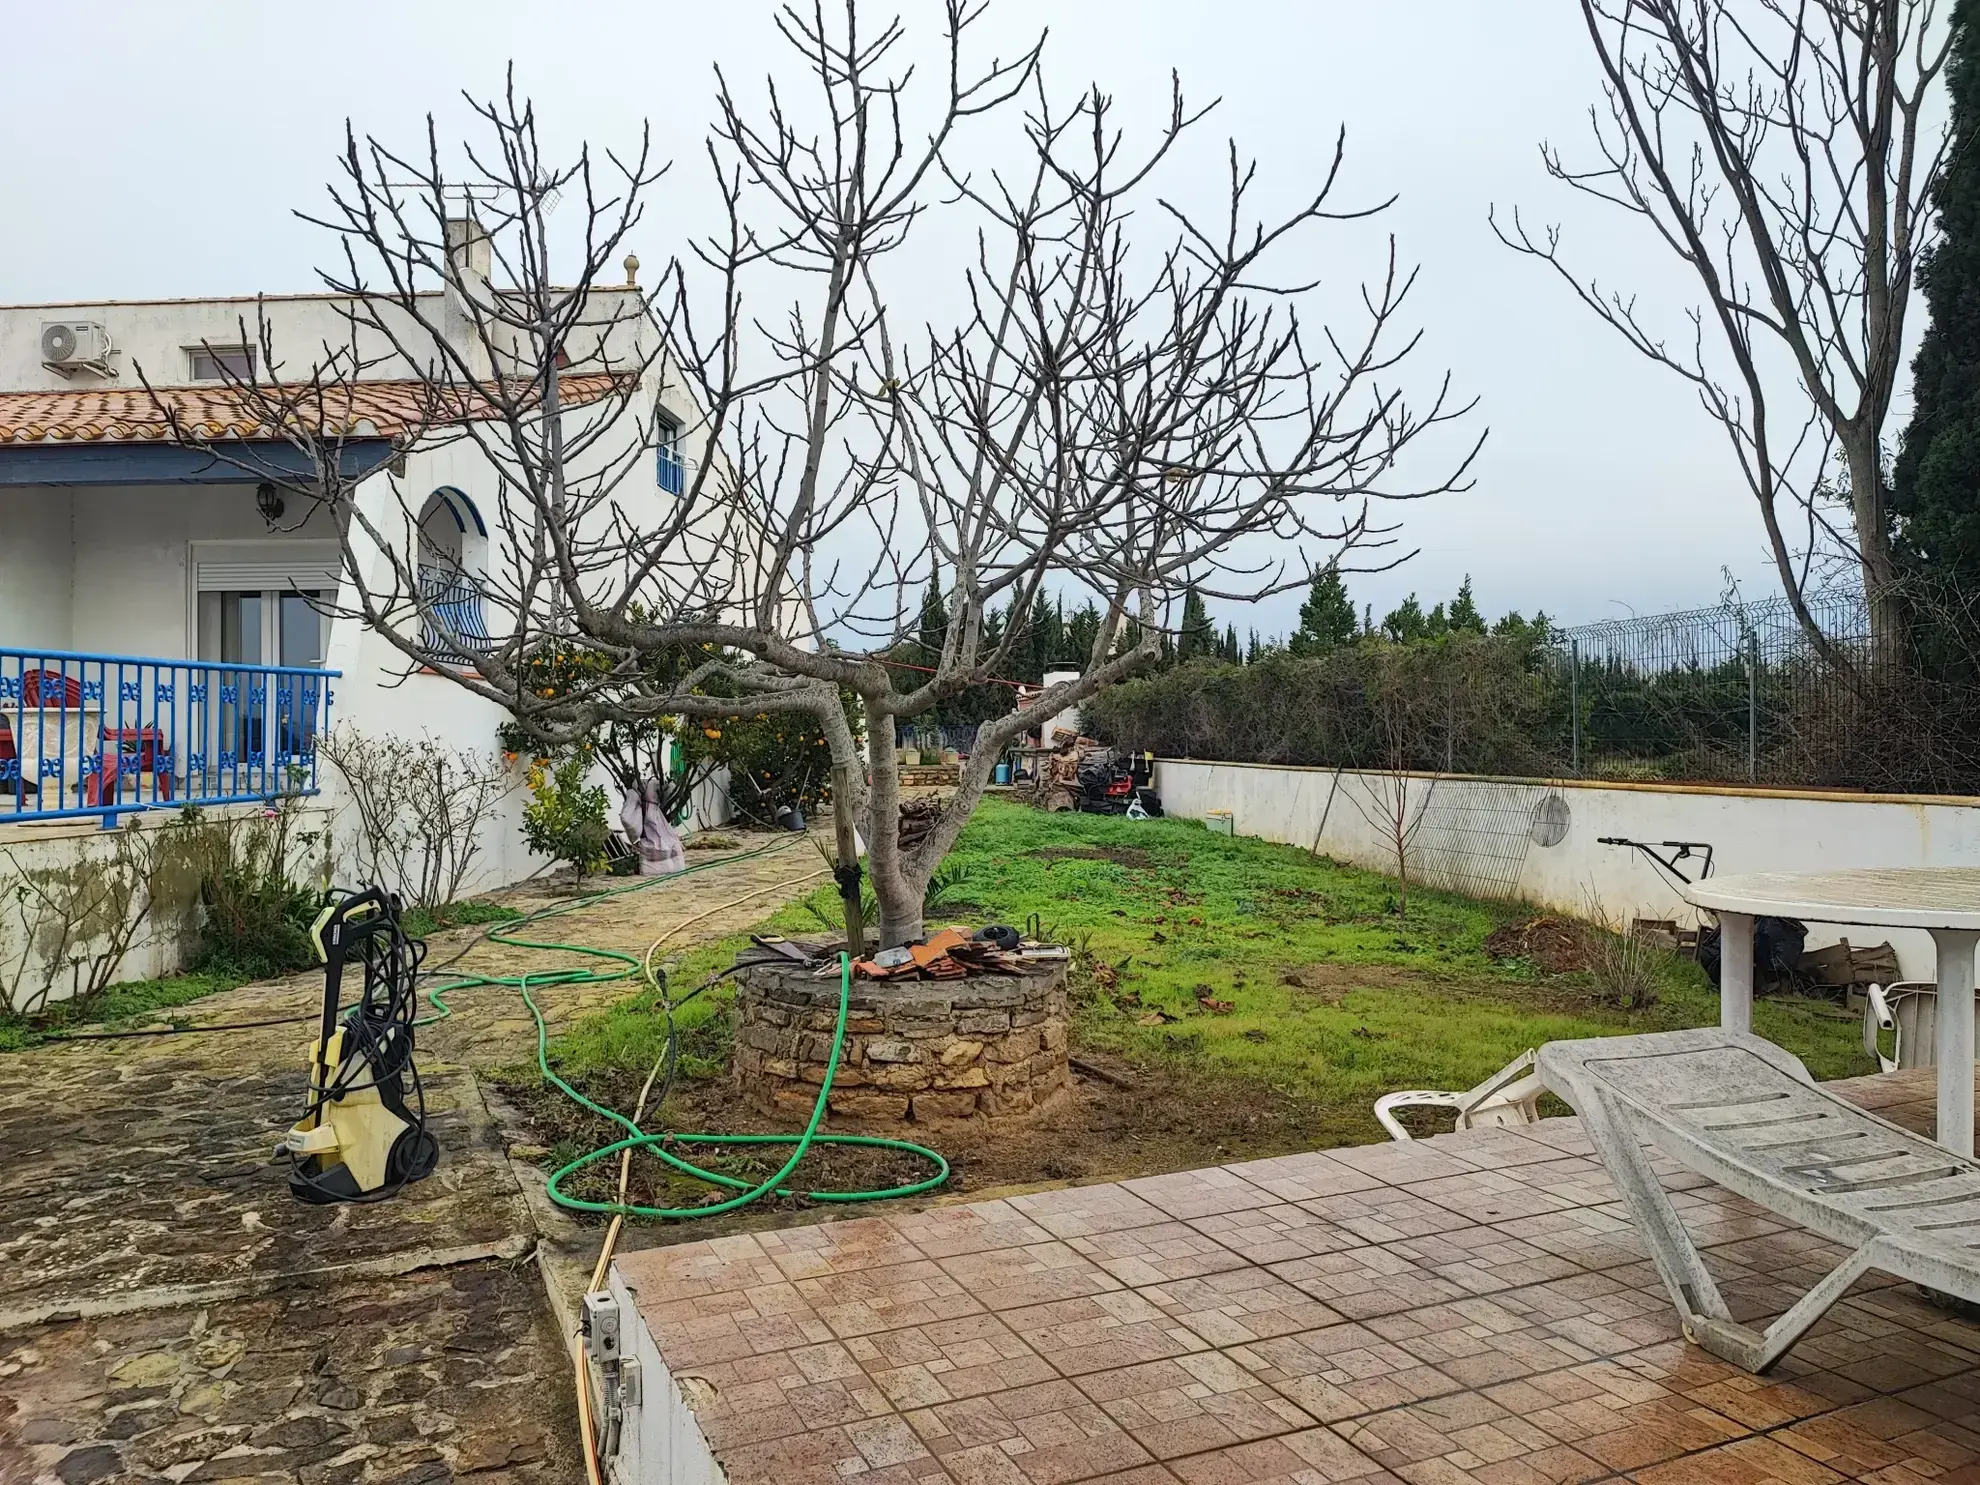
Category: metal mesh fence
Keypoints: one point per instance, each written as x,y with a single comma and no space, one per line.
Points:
1741,693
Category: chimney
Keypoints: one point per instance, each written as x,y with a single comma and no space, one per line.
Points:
469,252
470,258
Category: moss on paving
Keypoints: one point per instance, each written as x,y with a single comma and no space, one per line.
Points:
1183,917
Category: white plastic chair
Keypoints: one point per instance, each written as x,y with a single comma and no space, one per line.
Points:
1908,1009
1510,1097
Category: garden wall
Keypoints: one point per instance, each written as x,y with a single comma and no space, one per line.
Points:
68,888
1481,836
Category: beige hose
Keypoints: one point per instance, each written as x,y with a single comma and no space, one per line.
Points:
625,1164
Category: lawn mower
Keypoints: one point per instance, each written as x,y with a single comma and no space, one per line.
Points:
363,1135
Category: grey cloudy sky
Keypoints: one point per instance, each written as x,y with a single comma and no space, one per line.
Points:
157,150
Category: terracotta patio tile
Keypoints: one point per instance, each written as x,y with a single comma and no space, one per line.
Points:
1052,1433
1100,1332
1754,1402
1360,1282
814,1455
1342,1371
1304,1176
1010,1278
1483,1260
1597,1312
690,1270
1565,1136
1231,1308
1592,1238
1317,1456
1398,1162
927,1364
1487,1148
770,1397
1881,1435
836,1247
1384,1214
1149,1255
1275,1234
726,1324
1191,1404
1488,1196
944,1232
900,1294
1573,1178
1478,1343
1616,1416
1081,1211
1199,1193
1465,1431
1757,1461
1956,1399
1888,1341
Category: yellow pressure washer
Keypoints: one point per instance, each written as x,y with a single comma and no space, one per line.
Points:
363,1135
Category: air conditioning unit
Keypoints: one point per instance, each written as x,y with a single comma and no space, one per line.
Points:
70,346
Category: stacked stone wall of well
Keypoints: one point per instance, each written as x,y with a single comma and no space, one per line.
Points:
924,1051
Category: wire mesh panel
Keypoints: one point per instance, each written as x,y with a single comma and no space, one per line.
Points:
1472,835
1743,693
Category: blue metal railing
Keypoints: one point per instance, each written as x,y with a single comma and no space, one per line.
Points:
670,470
102,735
456,622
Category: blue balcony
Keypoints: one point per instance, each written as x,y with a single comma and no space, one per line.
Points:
105,735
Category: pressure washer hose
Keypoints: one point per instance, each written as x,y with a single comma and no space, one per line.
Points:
655,1144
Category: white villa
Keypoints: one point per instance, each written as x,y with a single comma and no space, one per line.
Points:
158,645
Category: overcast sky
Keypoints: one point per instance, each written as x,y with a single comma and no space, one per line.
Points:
158,150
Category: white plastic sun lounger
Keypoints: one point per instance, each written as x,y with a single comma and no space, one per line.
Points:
1744,1113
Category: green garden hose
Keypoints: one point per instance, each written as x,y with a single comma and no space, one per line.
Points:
658,1145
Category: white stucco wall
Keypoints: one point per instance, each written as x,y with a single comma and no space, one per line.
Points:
1475,834
36,561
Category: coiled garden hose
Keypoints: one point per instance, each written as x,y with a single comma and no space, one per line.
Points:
662,1146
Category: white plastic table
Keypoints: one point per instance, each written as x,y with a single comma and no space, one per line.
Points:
1944,901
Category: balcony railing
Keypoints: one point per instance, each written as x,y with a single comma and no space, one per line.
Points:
456,622
105,735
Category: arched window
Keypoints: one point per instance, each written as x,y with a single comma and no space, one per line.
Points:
453,564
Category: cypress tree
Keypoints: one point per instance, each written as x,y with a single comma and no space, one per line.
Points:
1326,619
1935,495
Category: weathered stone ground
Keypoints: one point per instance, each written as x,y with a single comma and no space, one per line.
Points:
169,1314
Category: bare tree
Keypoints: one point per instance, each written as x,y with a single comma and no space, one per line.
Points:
1782,150
1123,397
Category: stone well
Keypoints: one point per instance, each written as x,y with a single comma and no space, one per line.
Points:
985,1047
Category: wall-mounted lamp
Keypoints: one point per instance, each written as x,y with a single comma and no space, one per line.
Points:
268,500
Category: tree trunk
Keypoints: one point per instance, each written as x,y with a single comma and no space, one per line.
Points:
1868,508
899,896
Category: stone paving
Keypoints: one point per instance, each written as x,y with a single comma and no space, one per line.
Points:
1470,1308
168,1313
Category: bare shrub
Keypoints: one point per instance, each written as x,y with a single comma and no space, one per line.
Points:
420,810
1624,965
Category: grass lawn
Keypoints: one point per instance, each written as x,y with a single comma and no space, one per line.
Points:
1234,969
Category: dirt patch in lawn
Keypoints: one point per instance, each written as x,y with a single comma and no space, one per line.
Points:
1329,982
1130,856
1122,1119
1553,945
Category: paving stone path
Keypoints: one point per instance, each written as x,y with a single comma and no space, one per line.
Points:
169,1314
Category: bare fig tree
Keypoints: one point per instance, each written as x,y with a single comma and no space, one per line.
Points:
1113,393
1784,151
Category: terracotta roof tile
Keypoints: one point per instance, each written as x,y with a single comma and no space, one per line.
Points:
133,415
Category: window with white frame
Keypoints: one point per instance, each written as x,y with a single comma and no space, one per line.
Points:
213,363
669,469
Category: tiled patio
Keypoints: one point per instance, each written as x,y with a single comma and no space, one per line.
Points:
1474,1307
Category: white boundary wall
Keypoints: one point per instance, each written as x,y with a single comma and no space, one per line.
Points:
1476,835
